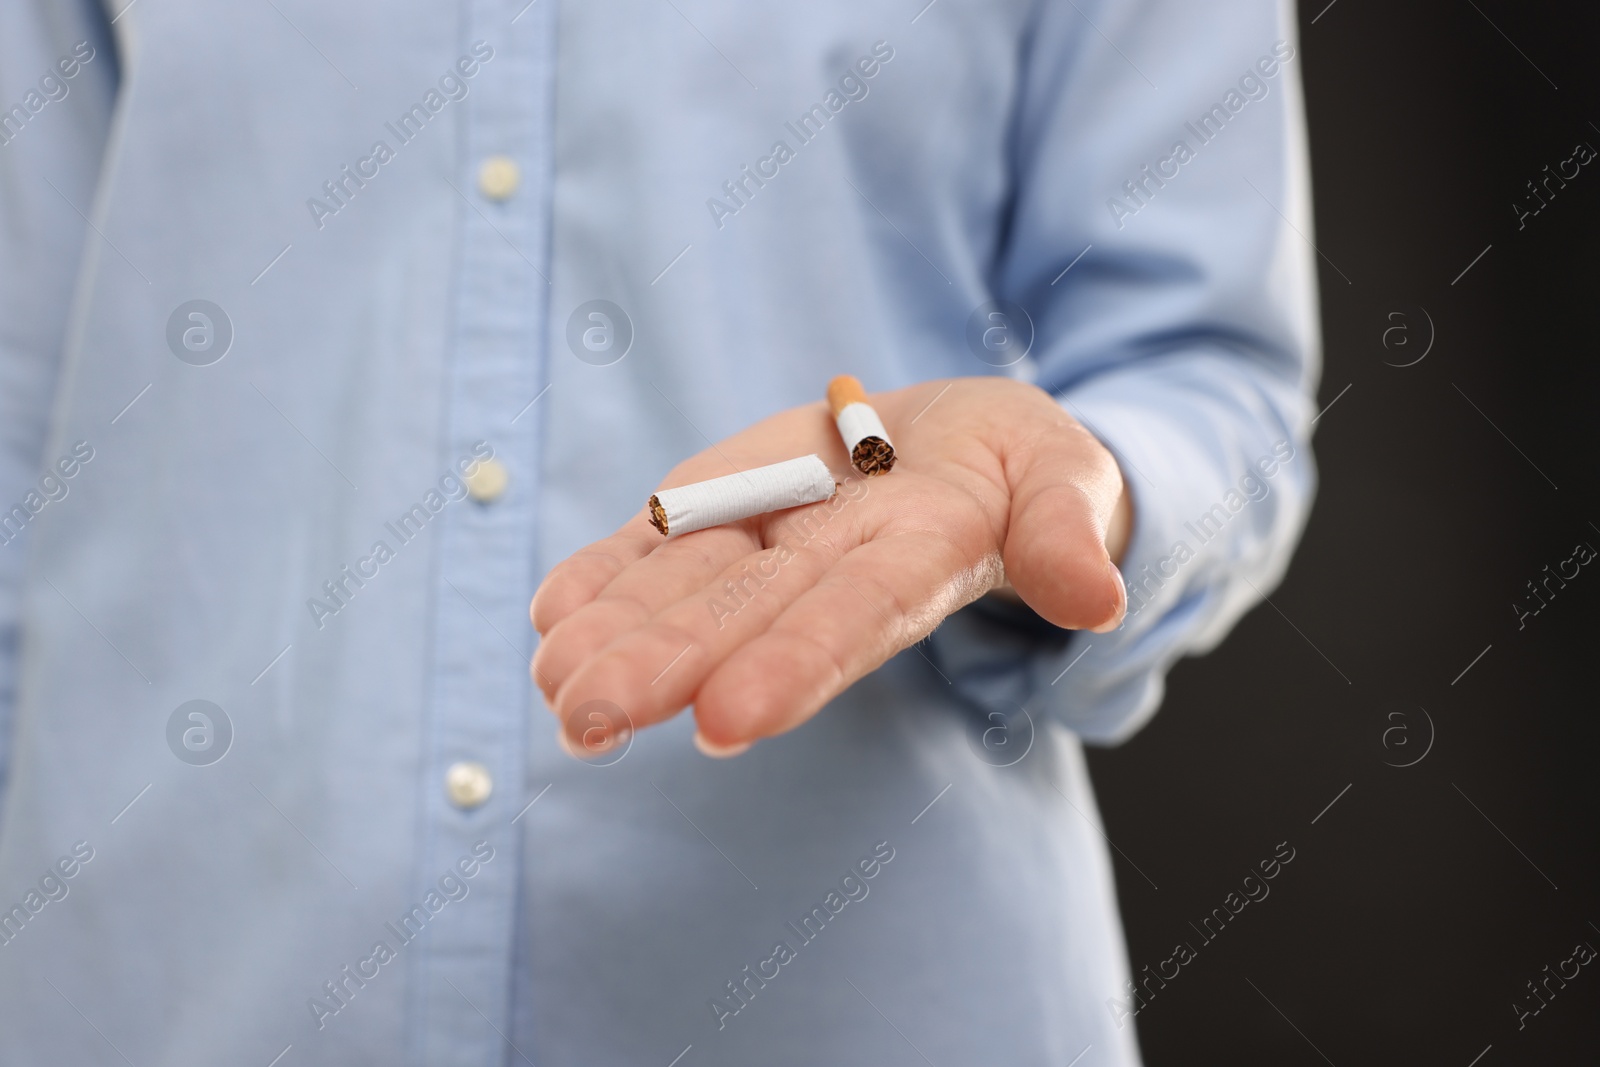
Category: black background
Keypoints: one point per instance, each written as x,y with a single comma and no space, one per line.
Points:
1408,922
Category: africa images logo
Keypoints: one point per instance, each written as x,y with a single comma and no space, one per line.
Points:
199,733
199,332
852,87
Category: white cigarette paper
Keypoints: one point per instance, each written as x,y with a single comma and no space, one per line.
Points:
857,422
789,484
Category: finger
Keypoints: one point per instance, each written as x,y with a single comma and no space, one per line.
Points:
685,565
1055,552
580,577
879,599
674,570
652,671
607,651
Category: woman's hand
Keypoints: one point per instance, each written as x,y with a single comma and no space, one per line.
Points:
760,623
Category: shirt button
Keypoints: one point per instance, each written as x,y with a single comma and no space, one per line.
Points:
498,177
468,784
487,482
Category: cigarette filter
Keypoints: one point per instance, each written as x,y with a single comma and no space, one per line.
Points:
859,425
789,484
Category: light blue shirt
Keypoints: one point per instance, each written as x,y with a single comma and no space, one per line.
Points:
279,279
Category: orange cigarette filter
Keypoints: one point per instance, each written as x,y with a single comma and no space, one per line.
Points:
865,438
843,391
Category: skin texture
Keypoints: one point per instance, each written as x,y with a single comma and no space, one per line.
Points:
997,490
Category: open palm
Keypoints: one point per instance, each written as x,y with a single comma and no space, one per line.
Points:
760,623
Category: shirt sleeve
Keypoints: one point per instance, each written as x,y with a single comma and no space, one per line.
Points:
1159,252
58,76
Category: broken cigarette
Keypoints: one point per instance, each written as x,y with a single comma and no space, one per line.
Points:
789,484
859,425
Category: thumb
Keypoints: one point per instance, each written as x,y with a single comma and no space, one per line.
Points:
1070,512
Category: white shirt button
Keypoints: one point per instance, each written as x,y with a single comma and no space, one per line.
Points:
487,482
468,784
498,177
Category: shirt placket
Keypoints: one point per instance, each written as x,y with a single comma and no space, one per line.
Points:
473,778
